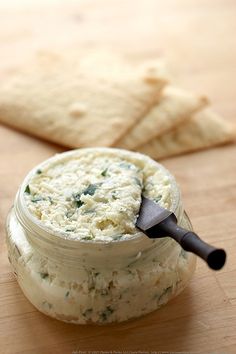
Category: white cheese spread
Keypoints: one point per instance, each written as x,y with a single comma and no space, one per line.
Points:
96,195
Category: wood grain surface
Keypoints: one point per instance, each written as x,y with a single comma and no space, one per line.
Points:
197,39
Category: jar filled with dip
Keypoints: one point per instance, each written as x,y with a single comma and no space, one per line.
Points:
73,244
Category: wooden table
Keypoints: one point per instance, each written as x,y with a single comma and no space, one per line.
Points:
198,41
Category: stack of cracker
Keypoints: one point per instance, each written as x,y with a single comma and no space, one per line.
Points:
100,100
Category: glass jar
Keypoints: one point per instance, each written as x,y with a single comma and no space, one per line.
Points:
95,282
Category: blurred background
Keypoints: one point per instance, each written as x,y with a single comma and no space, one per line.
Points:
196,38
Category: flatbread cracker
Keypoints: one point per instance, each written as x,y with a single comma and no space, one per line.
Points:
174,107
205,129
66,104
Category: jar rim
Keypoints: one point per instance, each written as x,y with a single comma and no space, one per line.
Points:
29,221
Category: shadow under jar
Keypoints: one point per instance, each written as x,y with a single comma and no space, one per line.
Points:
105,277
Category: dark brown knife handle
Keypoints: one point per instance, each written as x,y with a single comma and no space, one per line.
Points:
215,257
191,242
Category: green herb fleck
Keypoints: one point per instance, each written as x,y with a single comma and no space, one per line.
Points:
113,195
104,172
69,214
87,313
77,200
50,200
96,274
117,237
27,189
89,237
67,294
106,313
91,189
125,165
44,275
47,304
79,203
39,172
89,211
37,198
158,198
70,229
167,290
138,182
18,251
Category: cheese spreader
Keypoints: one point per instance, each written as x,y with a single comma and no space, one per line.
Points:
157,222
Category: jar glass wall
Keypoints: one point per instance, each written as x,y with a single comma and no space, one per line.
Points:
95,282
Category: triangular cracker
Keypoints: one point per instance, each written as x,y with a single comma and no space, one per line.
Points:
174,107
69,105
203,130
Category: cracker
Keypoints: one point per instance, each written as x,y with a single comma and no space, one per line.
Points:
174,107
203,130
61,101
